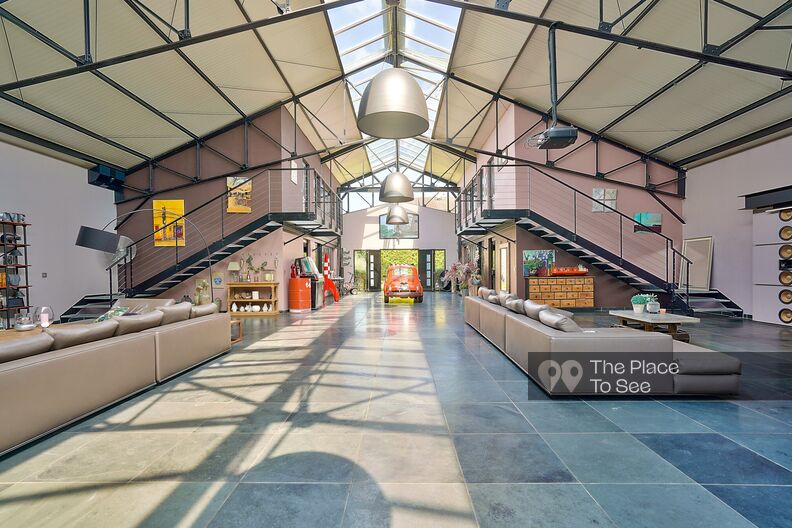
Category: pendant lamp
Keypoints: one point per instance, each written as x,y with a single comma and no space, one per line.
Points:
393,106
397,216
396,189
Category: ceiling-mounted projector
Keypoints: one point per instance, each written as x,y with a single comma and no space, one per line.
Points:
555,137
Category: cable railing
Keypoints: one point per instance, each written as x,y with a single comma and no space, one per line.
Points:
621,239
210,226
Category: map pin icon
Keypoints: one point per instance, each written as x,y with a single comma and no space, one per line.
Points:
571,372
549,372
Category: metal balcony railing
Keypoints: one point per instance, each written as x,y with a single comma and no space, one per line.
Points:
299,191
619,238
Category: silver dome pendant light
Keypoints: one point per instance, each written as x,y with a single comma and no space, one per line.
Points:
396,188
393,106
397,215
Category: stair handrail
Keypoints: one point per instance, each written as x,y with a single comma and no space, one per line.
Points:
669,242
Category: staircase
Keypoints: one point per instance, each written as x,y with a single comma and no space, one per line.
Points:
591,230
89,307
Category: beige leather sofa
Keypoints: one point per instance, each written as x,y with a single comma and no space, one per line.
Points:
43,389
528,342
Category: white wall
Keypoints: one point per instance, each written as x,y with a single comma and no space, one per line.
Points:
436,230
56,199
713,208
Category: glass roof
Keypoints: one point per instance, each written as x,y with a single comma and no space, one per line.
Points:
425,31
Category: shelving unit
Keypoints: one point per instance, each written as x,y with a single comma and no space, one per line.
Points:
267,293
21,268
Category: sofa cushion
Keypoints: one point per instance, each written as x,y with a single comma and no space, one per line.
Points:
129,324
692,359
516,306
505,296
28,346
175,313
72,335
204,309
484,293
558,321
532,309
492,298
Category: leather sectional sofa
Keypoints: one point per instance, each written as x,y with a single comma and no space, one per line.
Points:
44,386
529,342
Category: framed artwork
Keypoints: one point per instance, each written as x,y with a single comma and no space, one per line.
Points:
218,279
538,262
603,199
240,194
293,172
390,232
503,268
649,221
168,223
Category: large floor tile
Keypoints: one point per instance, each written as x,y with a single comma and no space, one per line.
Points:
765,506
202,457
612,457
664,506
536,505
283,505
566,417
385,416
414,505
647,417
509,458
110,457
727,417
416,457
714,459
28,461
484,391
485,418
778,409
308,458
776,447
526,391
327,418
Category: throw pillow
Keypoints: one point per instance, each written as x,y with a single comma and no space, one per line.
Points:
532,309
175,313
204,309
21,348
72,335
129,324
505,296
115,311
493,299
516,306
484,293
558,321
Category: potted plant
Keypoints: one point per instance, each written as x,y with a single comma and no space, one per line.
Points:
652,306
638,302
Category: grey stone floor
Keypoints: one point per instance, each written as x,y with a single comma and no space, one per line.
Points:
366,414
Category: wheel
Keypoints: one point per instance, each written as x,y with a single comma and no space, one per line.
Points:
353,291
419,299
387,299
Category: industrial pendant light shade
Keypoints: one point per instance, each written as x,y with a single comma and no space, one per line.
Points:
393,106
396,189
397,216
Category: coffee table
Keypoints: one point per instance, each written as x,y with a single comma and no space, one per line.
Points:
650,321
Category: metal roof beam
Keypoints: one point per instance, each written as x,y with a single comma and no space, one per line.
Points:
696,67
175,45
36,140
735,143
629,41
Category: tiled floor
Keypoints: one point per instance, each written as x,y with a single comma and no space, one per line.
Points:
365,414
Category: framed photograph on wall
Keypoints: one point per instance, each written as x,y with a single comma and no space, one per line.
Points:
503,268
168,223
240,194
390,232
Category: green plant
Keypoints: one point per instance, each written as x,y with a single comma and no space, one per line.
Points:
639,299
650,297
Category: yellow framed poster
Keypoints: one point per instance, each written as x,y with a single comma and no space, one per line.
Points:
168,213
240,194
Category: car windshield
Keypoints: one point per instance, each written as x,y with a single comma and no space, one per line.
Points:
402,272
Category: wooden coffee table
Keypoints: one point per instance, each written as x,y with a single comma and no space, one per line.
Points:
650,322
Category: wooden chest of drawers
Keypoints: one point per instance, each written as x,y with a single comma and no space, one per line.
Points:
564,292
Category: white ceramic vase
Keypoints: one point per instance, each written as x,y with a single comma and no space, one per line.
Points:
638,308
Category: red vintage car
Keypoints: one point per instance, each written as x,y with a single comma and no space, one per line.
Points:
403,281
